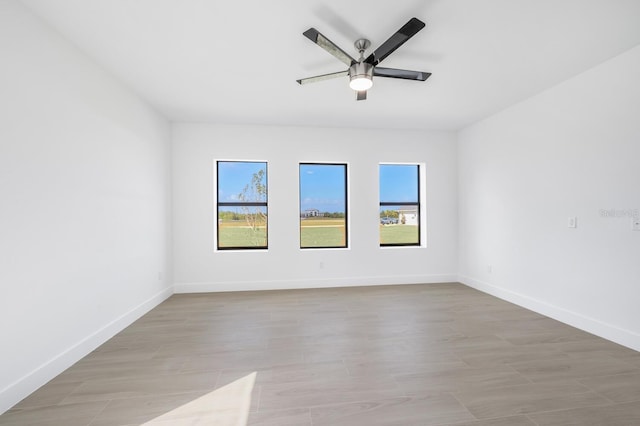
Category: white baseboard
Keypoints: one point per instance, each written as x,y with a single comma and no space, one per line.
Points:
591,325
212,287
17,391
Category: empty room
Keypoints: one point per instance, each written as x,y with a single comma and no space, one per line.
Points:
319,213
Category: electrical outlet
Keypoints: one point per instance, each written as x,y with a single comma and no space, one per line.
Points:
572,222
321,265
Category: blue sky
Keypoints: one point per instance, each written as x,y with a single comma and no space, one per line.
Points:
399,182
233,176
322,185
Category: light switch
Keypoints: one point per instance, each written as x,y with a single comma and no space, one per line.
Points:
635,224
572,222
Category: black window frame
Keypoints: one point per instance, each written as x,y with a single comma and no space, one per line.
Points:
264,204
346,204
417,204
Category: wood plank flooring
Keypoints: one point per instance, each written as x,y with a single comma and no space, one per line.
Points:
435,354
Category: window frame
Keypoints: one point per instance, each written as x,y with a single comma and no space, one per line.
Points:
345,166
218,204
418,204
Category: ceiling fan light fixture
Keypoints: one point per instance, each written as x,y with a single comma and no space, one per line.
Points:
360,83
361,76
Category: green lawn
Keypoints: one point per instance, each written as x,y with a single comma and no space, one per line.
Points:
399,234
327,236
322,232
241,236
313,233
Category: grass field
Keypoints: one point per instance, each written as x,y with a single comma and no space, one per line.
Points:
322,232
236,233
399,234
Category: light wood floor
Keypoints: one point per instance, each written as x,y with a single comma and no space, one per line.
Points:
440,354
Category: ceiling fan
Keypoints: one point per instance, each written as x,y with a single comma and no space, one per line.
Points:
362,71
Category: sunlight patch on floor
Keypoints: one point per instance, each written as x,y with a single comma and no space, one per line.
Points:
225,406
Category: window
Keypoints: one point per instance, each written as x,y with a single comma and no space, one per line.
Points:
241,205
323,205
399,205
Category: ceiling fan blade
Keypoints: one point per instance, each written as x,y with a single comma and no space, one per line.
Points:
323,77
313,35
409,29
404,74
361,95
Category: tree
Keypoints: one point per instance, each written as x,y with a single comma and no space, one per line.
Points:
389,213
255,192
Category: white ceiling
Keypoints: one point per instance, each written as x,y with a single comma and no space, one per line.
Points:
237,61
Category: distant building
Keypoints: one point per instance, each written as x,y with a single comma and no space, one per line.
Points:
311,213
408,216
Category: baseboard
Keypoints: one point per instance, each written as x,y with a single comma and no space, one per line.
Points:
212,287
28,384
591,325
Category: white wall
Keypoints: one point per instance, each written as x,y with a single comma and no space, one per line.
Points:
84,205
197,267
571,151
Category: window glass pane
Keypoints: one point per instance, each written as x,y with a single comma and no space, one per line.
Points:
323,205
399,204
241,205
236,179
399,225
399,182
244,227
